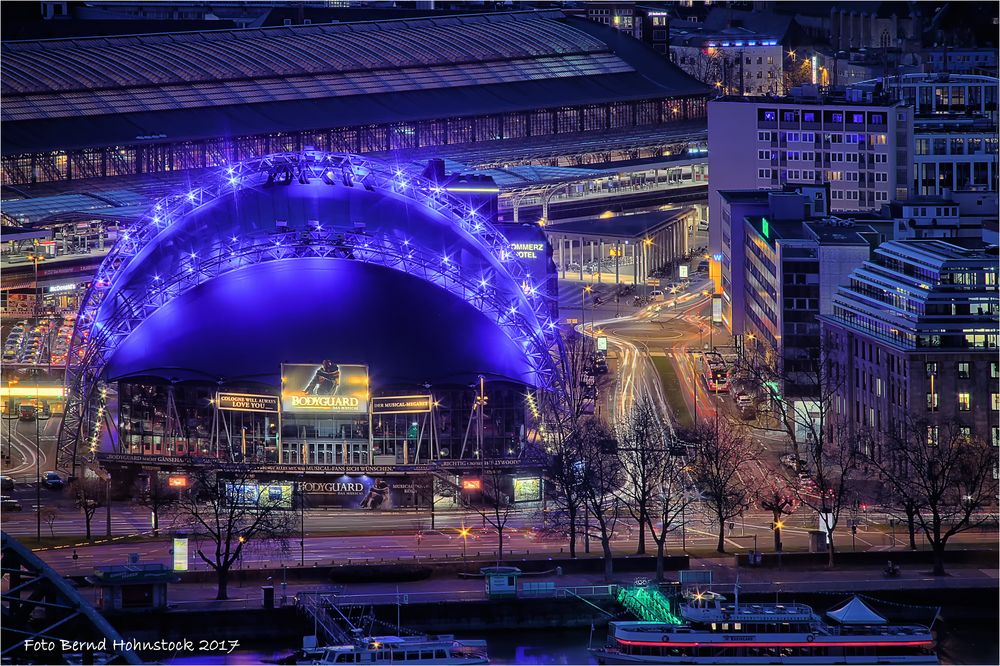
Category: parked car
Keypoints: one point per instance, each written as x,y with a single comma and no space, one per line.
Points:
53,480
9,504
6,484
656,295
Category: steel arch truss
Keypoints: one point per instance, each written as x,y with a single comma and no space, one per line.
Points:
505,291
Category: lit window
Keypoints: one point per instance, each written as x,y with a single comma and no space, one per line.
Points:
931,369
965,432
994,369
932,402
963,370
995,399
932,435
964,402
996,436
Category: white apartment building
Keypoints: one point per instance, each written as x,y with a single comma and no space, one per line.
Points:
736,62
859,150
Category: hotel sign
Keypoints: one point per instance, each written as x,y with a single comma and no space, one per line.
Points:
529,250
402,404
246,402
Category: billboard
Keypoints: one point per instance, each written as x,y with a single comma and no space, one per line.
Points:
246,402
716,309
527,489
402,404
602,343
180,554
682,271
326,388
275,495
368,493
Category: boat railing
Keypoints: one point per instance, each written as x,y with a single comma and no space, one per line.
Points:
882,630
406,598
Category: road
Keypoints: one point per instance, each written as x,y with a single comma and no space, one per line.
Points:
448,542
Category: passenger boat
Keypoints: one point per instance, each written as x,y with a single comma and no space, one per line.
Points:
444,649
715,632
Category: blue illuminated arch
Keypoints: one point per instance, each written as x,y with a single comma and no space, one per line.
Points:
124,292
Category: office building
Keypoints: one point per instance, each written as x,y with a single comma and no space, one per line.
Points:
954,128
914,337
789,265
858,150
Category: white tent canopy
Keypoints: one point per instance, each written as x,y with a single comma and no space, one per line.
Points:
856,612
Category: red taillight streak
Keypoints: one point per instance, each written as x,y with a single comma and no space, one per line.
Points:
771,644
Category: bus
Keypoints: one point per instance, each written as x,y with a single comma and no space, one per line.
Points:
716,374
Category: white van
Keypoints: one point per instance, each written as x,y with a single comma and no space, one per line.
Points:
656,295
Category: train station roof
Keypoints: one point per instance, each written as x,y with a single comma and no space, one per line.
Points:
170,87
634,226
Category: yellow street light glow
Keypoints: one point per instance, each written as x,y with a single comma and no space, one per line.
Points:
606,214
10,391
647,241
779,525
464,532
588,289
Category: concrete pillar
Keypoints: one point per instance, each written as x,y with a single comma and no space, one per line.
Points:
601,254
581,259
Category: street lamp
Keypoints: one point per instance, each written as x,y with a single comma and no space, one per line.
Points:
464,533
583,308
11,415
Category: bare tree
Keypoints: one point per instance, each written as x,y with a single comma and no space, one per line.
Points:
801,388
602,479
91,494
155,493
49,515
229,508
494,505
642,454
721,454
947,476
780,500
564,422
669,504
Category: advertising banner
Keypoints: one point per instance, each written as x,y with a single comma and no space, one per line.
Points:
402,404
180,554
716,309
327,388
276,495
246,402
369,493
602,343
682,271
527,489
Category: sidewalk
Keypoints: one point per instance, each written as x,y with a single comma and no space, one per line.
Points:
246,593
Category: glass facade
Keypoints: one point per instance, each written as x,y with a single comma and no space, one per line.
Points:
157,158
180,419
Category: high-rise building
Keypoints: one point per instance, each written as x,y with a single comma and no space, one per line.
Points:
914,338
859,150
791,259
